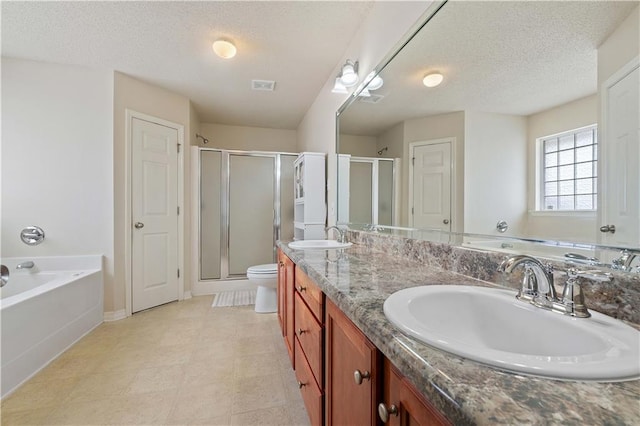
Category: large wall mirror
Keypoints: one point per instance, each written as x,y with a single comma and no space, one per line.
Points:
534,126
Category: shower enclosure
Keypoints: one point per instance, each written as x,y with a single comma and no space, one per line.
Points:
368,190
245,205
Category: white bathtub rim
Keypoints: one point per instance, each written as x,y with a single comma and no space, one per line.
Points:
65,277
56,263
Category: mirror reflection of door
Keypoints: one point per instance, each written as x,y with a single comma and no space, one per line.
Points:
622,151
430,185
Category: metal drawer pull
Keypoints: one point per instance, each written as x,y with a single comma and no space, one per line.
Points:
301,289
384,412
301,332
301,385
358,376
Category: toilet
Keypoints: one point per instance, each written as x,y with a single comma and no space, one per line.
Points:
265,277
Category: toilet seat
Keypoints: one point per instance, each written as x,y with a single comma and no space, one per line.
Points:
266,271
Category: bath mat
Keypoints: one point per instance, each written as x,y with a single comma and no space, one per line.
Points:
234,298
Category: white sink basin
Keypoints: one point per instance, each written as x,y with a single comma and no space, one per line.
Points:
492,327
317,244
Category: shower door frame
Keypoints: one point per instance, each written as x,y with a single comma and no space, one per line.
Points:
225,182
374,161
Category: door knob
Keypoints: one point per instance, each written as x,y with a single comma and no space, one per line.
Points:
139,225
446,221
608,228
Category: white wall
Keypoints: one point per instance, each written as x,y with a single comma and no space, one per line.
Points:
385,26
495,176
248,138
559,225
621,47
358,146
57,159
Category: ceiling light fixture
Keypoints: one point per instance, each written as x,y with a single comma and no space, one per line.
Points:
338,87
375,81
348,77
225,49
432,79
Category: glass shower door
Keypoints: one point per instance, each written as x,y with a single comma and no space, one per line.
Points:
251,211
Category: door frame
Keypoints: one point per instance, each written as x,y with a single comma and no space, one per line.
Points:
601,216
128,220
453,196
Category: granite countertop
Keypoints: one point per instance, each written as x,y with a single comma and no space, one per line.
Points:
359,279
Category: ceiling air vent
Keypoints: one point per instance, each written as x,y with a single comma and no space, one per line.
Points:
266,85
373,99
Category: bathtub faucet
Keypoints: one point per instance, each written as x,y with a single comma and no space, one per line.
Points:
25,265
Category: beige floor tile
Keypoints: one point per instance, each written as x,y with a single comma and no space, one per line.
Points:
37,416
197,404
101,386
70,365
269,416
256,393
181,363
84,413
33,395
145,409
247,366
157,379
206,372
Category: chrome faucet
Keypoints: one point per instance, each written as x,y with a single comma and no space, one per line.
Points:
25,265
623,263
537,282
341,236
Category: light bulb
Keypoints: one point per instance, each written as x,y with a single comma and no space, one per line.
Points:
375,83
225,49
433,79
349,76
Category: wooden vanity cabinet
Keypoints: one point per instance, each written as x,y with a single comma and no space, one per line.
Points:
403,405
309,303
342,376
353,372
285,290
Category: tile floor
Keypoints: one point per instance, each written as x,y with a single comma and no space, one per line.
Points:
184,363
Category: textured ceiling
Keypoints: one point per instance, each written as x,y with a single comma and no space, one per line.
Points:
502,57
296,43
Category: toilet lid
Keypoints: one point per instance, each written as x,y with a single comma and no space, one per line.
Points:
269,268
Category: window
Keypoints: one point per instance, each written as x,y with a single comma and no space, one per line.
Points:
569,170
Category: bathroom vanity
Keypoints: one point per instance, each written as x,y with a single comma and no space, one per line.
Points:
354,367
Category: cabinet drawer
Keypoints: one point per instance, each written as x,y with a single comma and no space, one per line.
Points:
310,293
311,394
309,333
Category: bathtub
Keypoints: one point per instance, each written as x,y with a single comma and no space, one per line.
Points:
44,310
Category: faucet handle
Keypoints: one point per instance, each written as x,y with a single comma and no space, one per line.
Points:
573,295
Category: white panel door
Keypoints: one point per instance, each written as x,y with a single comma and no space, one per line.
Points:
621,194
431,184
154,181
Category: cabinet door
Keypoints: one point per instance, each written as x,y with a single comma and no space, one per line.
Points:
349,354
404,405
281,291
286,301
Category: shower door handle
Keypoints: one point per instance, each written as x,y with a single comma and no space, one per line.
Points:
139,225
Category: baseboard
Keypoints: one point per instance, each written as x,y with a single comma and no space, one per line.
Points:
203,288
114,315
186,295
